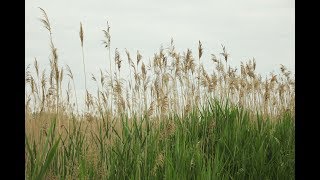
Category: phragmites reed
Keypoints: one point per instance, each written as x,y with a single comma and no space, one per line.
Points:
70,74
81,35
87,95
200,49
117,59
107,43
163,123
43,88
45,21
224,53
139,57
130,64
53,59
170,82
37,84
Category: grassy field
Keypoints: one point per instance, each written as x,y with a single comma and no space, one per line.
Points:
170,120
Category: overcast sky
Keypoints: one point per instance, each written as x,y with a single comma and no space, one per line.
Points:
263,29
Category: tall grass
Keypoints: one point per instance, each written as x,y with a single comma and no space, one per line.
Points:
172,119
217,142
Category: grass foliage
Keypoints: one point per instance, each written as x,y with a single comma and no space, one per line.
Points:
167,119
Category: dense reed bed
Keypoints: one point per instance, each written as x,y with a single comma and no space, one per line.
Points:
170,119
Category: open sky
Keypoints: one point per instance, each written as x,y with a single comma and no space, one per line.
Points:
263,29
